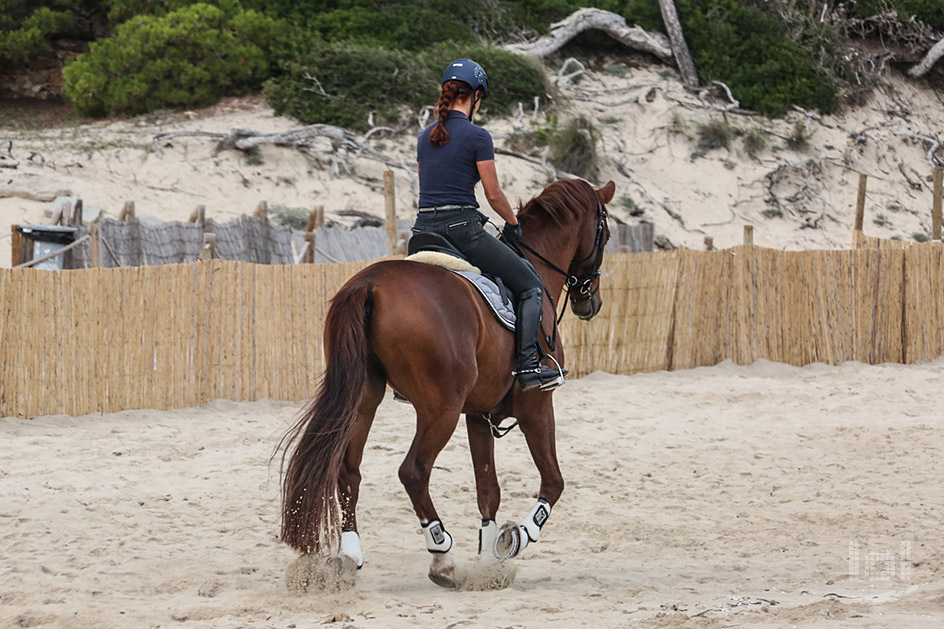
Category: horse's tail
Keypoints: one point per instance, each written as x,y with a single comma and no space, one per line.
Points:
310,510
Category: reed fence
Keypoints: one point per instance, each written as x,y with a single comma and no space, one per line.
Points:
102,340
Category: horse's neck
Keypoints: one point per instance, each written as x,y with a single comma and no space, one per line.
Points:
557,243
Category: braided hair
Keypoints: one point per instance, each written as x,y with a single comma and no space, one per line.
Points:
450,92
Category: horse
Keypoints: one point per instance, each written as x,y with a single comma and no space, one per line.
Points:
430,335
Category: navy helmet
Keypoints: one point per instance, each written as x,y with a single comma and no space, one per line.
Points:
467,71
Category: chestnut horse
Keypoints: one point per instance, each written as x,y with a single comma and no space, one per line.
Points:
428,333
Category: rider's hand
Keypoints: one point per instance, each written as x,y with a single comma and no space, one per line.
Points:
511,234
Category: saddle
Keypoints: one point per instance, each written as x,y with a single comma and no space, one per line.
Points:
447,255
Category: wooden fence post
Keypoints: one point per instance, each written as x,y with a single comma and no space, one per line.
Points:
748,234
309,248
860,202
198,216
209,247
315,220
391,213
16,243
127,212
95,246
77,213
936,207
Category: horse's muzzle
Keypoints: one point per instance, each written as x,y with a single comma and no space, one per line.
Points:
587,309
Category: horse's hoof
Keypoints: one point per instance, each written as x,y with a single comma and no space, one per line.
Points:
311,573
444,579
509,541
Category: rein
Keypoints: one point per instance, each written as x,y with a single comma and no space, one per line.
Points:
582,283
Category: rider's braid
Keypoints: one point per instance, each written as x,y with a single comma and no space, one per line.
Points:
439,135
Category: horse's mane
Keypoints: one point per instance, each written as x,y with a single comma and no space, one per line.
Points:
561,200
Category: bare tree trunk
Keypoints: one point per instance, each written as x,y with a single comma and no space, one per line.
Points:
682,56
612,24
936,52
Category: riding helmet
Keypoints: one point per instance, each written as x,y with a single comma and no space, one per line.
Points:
467,71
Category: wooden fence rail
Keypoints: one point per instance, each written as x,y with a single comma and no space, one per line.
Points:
102,340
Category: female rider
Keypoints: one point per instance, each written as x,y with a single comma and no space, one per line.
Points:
453,155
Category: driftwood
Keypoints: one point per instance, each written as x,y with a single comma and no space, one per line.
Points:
680,49
7,161
934,143
584,19
933,56
339,143
552,172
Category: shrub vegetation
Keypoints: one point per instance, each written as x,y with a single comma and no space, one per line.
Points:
168,53
26,27
188,57
341,83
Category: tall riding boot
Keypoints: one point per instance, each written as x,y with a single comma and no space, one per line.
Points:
529,372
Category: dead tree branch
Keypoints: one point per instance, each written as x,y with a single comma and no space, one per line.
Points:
341,144
552,172
683,58
934,55
612,24
934,143
914,183
7,161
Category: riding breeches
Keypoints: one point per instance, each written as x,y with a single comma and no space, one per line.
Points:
463,228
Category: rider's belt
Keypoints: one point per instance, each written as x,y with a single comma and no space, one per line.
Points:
446,208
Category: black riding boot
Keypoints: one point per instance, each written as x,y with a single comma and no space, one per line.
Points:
529,372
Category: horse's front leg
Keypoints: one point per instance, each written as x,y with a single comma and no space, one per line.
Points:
482,448
536,419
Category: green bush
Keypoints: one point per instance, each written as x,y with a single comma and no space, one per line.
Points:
745,45
188,57
715,134
341,83
120,11
755,141
574,148
26,27
931,12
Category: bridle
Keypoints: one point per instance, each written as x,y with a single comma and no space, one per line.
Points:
581,283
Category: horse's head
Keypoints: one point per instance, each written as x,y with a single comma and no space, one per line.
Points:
583,280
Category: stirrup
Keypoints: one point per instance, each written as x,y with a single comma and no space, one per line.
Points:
541,376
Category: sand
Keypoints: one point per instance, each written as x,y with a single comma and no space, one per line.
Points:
764,495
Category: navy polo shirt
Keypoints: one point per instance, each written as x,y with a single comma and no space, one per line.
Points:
448,173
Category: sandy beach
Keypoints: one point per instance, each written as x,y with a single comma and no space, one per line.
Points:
764,496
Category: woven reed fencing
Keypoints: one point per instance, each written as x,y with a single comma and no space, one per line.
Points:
173,336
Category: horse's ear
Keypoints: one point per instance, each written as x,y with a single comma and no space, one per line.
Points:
606,192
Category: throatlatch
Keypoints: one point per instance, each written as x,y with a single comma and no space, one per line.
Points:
437,539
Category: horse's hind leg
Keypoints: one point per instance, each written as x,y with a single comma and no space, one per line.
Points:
482,448
349,476
537,423
433,430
